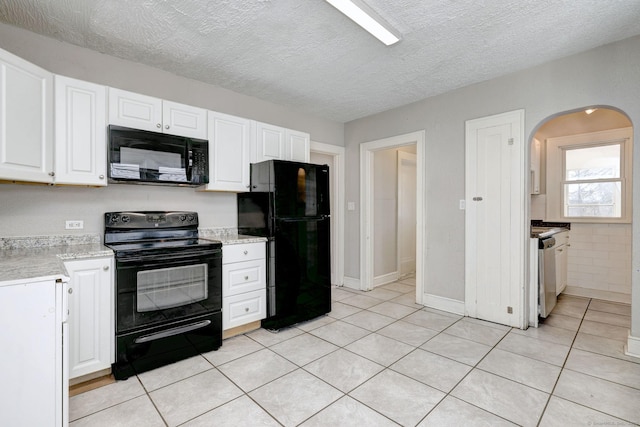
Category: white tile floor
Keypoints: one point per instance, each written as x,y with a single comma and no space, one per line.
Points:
380,360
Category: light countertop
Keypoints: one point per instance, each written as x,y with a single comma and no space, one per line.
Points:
43,263
30,259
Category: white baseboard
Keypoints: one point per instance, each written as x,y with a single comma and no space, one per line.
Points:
632,347
351,283
577,291
445,304
385,278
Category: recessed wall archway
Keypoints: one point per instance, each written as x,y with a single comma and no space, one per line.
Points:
585,120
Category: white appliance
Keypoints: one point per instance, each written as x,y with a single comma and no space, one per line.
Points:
34,385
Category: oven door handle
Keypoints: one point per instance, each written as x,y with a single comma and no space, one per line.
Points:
172,332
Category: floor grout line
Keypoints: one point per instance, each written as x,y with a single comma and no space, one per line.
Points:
388,367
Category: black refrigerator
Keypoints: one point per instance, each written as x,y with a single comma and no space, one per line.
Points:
289,205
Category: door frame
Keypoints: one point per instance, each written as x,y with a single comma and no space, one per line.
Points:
337,212
521,206
367,151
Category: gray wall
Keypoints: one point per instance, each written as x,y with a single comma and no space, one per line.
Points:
608,75
41,210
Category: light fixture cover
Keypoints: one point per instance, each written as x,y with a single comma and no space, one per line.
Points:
368,19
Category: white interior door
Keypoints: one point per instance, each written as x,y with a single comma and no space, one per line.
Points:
495,217
406,213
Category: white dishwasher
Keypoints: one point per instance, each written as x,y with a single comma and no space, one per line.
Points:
34,385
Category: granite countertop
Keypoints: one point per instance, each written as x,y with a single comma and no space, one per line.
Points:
228,236
25,259
240,239
542,229
21,263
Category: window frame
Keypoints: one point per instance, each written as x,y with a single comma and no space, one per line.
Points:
556,180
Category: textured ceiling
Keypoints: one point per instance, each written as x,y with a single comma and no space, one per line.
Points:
306,55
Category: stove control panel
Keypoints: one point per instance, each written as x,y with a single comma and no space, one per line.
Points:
150,219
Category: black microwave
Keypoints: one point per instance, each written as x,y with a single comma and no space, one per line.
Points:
141,157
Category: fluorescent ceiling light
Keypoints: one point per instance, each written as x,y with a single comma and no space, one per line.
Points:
368,19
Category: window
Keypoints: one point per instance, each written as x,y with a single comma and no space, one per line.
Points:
589,177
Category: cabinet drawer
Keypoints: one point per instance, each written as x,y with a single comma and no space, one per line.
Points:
242,277
245,308
243,252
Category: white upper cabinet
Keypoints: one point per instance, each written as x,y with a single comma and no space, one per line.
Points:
184,120
297,146
535,166
80,132
269,142
153,114
229,156
277,143
136,111
26,118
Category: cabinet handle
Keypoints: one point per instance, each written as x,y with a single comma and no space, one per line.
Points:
101,177
166,126
246,309
52,174
158,125
246,252
70,290
246,277
105,268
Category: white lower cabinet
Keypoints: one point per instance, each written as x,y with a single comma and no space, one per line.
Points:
91,328
561,258
243,284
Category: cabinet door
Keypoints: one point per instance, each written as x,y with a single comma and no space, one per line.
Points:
238,310
535,166
561,258
80,132
229,144
26,113
184,120
269,143
297,146
91,332
133,110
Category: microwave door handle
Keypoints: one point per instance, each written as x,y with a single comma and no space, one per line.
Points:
189,164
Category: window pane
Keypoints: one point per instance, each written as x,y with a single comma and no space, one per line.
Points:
592,163
171,287
596,199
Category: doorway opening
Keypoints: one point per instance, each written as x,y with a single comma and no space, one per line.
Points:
369,197
598,263
333,156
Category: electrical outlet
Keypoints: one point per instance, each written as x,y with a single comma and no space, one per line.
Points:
74,225
463,204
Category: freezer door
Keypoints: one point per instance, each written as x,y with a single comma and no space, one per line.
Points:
302,190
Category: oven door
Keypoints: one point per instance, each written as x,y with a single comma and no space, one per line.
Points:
158,289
